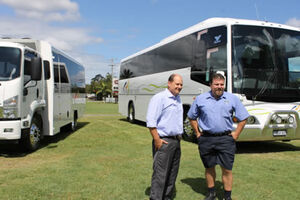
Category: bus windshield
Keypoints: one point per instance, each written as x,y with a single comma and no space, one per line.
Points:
266,63
10,59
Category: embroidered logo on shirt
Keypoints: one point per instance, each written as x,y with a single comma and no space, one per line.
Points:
226,101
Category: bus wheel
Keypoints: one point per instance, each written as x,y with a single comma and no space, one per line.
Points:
32,138
131,117
188,132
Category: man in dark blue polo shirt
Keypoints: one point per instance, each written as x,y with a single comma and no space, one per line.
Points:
211,117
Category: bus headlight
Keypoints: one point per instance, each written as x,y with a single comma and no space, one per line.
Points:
251,120
10,107
276,119
291,119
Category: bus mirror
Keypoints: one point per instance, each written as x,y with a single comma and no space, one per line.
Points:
36,69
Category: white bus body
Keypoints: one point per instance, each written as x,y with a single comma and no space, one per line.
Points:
260,60
41,90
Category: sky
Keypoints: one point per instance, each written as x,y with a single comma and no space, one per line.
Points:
99,33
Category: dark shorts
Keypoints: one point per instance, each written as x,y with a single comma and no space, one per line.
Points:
217,150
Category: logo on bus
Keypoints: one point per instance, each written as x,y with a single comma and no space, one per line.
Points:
296,108
126,86
217,39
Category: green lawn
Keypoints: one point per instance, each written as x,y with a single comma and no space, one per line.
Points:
109,158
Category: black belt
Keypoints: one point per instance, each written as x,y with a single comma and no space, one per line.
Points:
176,137
209,134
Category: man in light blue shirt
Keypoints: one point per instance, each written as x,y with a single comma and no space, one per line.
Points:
213,112
165,122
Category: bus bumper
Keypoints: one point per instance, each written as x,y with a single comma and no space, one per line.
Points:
269,133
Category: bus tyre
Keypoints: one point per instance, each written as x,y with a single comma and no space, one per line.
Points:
188,132
131,117
32,138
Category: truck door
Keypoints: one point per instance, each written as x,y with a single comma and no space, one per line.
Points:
33,90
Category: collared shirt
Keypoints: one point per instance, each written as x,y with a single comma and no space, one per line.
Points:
165,113
215,115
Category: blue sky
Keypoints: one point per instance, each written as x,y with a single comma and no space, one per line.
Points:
97,31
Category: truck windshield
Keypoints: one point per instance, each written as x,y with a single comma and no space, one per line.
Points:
266,63
10,59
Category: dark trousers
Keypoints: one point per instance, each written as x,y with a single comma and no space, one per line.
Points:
165,169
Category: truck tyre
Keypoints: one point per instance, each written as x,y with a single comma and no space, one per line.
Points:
74,123
32,138
131,117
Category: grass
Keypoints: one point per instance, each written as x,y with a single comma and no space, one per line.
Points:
98,107
109,158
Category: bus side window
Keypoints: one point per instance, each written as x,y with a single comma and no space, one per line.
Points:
56,78
210,54
63,75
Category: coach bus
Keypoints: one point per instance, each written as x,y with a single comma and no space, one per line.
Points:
260,61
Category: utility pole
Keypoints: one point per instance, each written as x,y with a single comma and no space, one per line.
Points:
112,75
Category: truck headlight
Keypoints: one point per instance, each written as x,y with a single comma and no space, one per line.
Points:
10,107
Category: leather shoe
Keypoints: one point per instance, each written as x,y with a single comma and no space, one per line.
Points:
211,196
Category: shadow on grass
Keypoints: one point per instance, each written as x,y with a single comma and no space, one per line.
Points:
198,185
137,122
147,192
14,149
265,147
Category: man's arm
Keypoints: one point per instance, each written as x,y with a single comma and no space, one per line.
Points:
235,134
157,140
194,125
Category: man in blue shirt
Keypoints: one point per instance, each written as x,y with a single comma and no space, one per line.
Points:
165,122
211,117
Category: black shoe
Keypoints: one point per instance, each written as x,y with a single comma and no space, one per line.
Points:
211,196
228,198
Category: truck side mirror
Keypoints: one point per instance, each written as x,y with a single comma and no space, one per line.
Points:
47,69
36,68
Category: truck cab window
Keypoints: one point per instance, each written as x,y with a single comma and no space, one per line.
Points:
27,66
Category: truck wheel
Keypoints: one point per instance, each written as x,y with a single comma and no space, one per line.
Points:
32,139
131,117
74,123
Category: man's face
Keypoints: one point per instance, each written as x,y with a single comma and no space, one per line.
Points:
175,86
217,87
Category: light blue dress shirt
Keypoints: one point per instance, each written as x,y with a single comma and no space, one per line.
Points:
165,113
215,115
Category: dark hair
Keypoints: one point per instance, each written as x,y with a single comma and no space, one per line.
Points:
216,76
171,78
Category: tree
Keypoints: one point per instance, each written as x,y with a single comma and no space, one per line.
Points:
101,86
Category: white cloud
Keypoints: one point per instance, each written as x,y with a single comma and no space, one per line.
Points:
33,19
293,22
54,10
62,37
